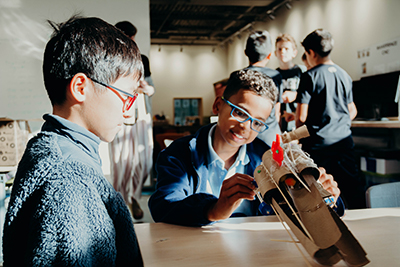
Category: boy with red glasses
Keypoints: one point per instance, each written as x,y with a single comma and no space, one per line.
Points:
207,177
62,210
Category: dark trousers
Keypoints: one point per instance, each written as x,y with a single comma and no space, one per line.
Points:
339,160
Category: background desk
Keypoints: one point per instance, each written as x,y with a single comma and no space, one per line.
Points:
376,124
248,241
377,140
376,134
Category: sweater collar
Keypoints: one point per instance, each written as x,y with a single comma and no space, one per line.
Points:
83,138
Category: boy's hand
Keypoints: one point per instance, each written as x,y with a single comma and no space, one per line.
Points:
233,191
328,183
288,116
289,96
145,88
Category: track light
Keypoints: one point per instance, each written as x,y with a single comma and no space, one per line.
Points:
271,16
288,5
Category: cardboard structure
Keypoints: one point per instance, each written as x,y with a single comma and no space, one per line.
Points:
287,180
14,135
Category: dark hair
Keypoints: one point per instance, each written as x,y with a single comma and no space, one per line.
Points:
90,46
252,80
127,28
320,41
258,46
286,38
304,57
130,30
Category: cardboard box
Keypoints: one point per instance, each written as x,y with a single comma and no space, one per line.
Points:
381,166
14,135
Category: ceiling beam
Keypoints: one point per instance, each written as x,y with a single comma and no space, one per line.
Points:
167,17
208,17
215,2
177,21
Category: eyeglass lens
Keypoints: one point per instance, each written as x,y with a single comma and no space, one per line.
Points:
129,102
242,117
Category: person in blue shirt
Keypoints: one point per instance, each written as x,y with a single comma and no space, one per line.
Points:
62,210
207,177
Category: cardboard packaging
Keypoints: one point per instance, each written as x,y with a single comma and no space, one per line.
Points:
14,135
287,181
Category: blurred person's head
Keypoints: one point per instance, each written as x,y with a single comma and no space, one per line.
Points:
285,48
258,46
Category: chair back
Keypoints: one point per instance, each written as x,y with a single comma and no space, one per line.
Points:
165,139
383,195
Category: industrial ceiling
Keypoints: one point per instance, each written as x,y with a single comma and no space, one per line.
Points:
207,22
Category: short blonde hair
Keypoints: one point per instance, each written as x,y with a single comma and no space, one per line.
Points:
284,37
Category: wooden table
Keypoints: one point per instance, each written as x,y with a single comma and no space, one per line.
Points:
252,241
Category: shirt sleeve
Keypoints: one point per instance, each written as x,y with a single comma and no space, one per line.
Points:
174,200
278,82
350,93
304,92
340,207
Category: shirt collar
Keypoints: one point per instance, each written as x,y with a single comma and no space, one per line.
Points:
242,156
82,137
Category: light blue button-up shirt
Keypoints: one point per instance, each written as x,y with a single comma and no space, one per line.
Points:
218,173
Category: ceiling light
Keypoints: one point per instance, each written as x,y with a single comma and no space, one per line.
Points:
271,16
288,5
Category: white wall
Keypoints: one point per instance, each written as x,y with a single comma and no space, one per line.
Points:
23,36
190,73
354,24
24,33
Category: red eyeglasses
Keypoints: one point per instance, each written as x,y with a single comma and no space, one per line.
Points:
128,101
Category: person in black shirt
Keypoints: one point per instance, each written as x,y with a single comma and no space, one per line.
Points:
258,50
286,51
325,105
146,87
146,84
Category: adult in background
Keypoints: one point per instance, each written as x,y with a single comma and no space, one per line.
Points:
146,84
131,152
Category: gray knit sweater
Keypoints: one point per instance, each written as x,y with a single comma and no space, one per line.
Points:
62,211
